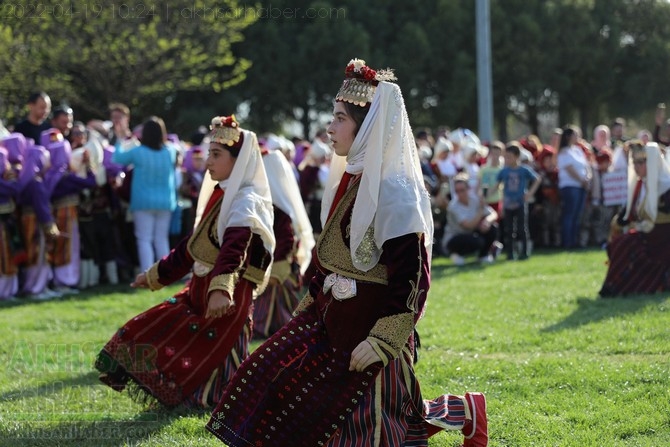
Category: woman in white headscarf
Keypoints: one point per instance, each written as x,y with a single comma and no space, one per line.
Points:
313,174
639,250
341,372
293,252
185,350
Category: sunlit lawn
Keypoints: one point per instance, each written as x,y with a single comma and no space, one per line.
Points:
559,366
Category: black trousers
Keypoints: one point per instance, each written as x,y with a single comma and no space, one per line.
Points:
465,244
515,222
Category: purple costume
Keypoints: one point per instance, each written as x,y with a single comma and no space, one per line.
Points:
9,282
35,219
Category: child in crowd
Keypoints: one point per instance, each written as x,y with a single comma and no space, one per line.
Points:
516,195
549,200
488,176
601,214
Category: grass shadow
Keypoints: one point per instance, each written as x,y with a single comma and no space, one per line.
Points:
590,310
438,270
46,389
83,295
86,294
98,433
45,423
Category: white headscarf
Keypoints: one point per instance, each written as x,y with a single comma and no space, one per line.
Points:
96,155
247,201
392,198
442,145
286,196
656,183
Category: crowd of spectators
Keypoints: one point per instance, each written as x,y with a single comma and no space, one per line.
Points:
85,203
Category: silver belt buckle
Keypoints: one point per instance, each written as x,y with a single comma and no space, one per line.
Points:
341,287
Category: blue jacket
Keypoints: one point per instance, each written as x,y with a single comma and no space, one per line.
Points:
153,185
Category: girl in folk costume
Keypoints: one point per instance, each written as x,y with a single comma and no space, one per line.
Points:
96,227
13,249
639,251
295,240
193,175
9,188
37,223
65,255
16,146
341,372
185,350
549,199
312,176
601,138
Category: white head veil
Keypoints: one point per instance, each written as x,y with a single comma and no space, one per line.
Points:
286,196
96,155
247,201
656,183
392,198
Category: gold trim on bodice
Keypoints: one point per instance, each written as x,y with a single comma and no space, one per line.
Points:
152,277
204,245
303,304
68,200
333,252
7,207
662,218
225,282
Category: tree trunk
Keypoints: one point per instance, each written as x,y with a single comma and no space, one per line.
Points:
584,120
305,121
501,118
533,121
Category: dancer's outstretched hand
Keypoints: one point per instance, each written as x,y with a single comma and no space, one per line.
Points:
140,281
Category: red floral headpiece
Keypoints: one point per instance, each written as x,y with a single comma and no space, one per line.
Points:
360,82
225,130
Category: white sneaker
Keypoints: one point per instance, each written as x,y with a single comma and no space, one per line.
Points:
52,293
488,259
42,296
457,259
65,290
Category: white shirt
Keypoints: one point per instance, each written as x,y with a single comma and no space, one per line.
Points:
575,157
458,212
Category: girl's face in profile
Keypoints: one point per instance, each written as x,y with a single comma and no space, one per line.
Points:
220,162
341,130
640,163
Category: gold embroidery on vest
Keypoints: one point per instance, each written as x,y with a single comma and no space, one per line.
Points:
333,252
364,251
303,304
204,245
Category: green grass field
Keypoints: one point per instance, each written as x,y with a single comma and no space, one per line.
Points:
560,366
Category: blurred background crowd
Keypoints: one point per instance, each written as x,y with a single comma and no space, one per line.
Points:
70,217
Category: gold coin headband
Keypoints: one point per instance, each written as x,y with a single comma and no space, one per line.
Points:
225,130
361,82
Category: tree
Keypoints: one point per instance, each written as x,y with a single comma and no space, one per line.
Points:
297,56
131,52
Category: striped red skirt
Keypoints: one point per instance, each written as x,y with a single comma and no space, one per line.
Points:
639,263
274,307
297,390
